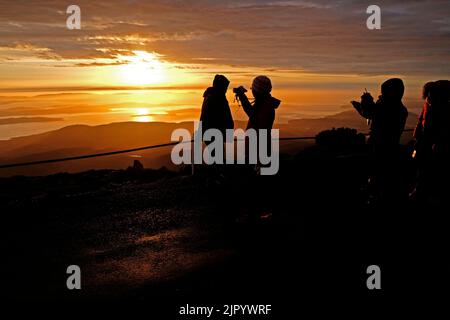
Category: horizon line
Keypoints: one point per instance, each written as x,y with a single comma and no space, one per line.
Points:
99,88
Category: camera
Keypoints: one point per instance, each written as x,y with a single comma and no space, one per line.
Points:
239,90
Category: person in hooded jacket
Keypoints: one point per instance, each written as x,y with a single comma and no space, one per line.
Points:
387,118
216,113
432,150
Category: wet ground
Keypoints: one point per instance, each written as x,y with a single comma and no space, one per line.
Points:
158,236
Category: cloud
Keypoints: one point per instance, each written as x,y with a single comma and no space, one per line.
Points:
17,120
100,64
298,3
317,36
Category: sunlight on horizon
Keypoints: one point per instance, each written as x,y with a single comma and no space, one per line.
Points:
143,115
143,68
145,86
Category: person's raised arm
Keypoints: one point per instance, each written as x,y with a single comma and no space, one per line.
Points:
366,107
246,105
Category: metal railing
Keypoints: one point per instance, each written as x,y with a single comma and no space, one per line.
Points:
104,154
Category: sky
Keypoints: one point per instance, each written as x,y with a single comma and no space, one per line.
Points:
152,60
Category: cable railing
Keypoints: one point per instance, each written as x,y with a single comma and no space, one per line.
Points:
110,153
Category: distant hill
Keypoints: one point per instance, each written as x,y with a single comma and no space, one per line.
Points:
82,139
349,118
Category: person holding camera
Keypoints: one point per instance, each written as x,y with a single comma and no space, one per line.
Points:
261,113
387,119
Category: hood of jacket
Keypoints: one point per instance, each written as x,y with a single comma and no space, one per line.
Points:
211,91
272,102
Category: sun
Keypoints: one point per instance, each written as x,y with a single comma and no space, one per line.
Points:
142,111
143,115
144,68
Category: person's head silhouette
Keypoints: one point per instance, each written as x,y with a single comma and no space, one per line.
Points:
221,83
393,89
426,90
261,86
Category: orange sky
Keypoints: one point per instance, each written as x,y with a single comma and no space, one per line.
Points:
151,60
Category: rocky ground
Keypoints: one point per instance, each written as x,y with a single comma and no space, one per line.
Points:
155,234
126,230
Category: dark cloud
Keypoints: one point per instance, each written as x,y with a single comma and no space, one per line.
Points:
17,120
317,36
100,64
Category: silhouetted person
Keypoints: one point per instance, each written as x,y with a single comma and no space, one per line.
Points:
216,113
432,149
261,113
440,101
441,144
387,118
423,136
423,129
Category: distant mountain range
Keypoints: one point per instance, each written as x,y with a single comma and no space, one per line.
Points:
82,139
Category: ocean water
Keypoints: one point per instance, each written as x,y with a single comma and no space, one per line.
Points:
23,114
